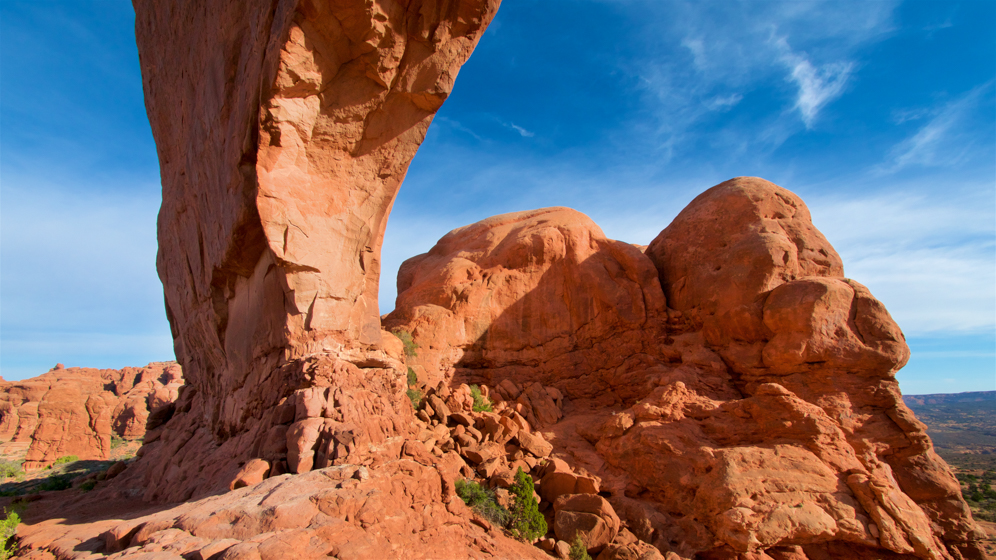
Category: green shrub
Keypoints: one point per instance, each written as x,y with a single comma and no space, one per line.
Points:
117,441
579,550
9,469
56,482
481,403
65,460
415,396
412,378
406,338
527,522
88,485
8,528
482,501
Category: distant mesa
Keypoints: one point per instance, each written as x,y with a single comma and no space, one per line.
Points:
951,398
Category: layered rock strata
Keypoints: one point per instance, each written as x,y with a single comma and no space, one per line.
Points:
76,411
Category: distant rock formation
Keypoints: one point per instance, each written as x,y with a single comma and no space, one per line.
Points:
75,411
950,398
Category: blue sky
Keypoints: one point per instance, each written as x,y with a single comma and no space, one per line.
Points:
881,115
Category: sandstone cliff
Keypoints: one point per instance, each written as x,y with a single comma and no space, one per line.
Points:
75,411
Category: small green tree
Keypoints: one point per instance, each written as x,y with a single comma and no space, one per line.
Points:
579,550
8,528
527,522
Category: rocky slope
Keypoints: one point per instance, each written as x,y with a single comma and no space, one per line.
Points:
728,394
75,411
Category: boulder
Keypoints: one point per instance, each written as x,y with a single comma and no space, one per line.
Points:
252,473
531,297
534,444
589,515
630,551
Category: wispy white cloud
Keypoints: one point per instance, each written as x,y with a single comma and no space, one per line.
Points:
522,132
697,48
732,49
723,102
899,116
817,85
455,125
932,144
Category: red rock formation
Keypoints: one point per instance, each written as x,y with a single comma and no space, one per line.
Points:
756,418
75,411
283,140
760,413
528,296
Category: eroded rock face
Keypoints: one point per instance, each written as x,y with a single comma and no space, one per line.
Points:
75,411
528,296
766,416
284,130
756,417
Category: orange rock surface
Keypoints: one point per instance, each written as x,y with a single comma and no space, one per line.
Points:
528,296
757,410
75,411
282,143
728,394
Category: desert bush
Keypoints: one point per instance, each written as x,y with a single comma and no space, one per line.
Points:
88,485
412,378
481,403
56,482
65,460
482,501
415,396
406,338
527,522
9,469
579,550
8,528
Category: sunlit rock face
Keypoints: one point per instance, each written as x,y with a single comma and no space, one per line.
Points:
728,393
529,295
733,392
284,130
